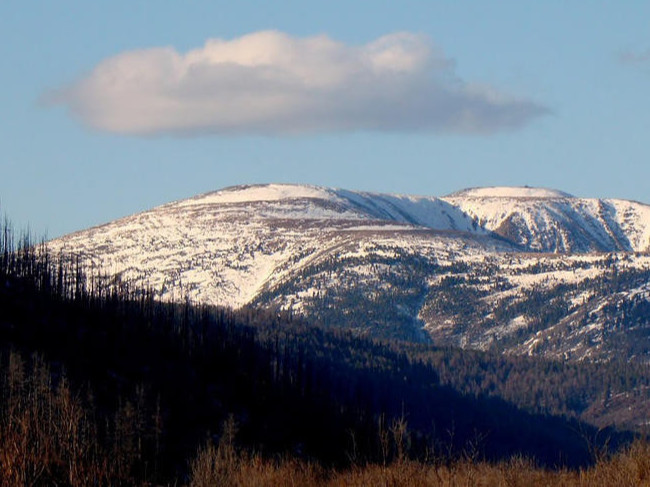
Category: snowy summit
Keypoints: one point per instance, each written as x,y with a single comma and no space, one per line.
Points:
510,192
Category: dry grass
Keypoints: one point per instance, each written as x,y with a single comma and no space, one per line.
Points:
212,467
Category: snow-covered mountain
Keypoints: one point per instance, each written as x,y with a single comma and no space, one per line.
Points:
472,269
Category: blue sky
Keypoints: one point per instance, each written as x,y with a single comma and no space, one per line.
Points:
550,93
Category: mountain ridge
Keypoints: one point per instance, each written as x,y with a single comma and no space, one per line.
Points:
602,224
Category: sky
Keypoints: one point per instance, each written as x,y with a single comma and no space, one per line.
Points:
113,107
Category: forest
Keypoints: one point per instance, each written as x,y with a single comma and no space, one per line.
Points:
104,384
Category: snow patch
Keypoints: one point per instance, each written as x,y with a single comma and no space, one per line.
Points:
261,192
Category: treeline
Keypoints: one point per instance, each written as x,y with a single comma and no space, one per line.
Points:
574,389
145,382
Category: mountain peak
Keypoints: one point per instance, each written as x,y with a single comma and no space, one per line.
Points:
510,192
262,192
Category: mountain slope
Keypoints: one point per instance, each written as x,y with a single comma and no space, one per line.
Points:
471,269
553,221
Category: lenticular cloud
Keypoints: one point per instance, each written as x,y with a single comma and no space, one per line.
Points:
271,83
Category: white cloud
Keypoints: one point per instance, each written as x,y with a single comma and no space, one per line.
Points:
271,83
